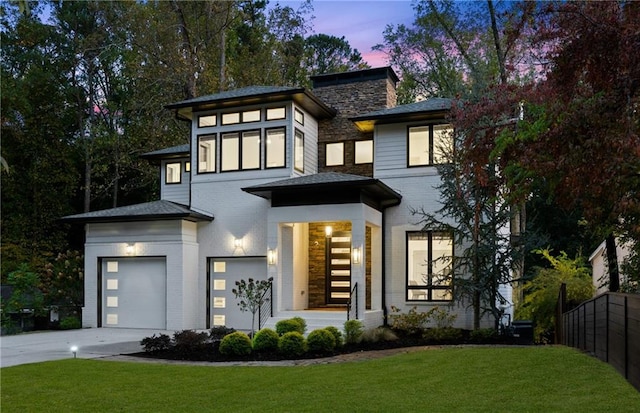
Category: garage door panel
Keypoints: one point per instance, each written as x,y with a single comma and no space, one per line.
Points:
134,292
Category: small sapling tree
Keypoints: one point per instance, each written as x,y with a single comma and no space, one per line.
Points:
252,295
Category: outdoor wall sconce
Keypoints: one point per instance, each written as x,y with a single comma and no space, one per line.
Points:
271,257
237,242
328,231
130,249
356,255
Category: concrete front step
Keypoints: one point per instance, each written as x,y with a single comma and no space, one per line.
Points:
315,319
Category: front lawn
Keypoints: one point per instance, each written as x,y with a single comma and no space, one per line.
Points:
476,379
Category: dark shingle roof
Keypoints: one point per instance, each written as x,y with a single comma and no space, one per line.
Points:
327,188
425,109
172,152
148,211
253,95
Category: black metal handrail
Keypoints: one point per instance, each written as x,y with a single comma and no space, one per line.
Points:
353,298
266,309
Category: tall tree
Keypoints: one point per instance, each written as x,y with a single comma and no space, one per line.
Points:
330,54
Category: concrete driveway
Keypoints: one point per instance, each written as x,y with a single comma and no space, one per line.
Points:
56,345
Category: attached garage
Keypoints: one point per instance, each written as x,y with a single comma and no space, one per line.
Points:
133,292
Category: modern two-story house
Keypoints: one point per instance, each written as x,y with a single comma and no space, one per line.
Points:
313,188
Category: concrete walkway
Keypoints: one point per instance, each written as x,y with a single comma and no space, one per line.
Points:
56,345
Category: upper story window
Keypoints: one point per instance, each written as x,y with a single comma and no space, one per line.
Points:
429,263
251,116
298,115
364,152
428,144
276,113
230,118
247,116
187,166
172,173
206,121
206,153
334,154
240,151
298,151
275,148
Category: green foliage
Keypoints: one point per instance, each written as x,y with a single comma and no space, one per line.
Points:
160,342
217,333
443,335
252,295
321,341
70,323
353,330
291,324
188,343
236,344
26,296
63,280
265,340
541,293
378,334
483,335
410,323
442,318
337,334
292,344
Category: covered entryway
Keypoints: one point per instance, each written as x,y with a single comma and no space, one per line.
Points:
133,292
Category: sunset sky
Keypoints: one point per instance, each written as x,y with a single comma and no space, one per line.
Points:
361,22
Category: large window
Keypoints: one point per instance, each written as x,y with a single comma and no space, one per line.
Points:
172,173
276,148
428,144
334,154
240,151
429,263
206,153
298,151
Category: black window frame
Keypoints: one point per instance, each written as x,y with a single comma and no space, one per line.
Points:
266,114
266,148
297,132
215,154
355,152
428,287
430,143
166,176
296,111
241,138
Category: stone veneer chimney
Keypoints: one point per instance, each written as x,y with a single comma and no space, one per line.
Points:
351,94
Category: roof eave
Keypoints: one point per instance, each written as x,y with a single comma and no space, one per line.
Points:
368,123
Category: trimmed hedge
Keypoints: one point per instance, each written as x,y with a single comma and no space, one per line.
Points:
292,344
265,340
236,344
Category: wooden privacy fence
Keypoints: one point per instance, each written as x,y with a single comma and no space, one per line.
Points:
608,326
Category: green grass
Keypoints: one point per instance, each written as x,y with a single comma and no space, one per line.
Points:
479,379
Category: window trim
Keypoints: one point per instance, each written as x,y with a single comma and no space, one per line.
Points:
326,159
166,175
355,152
296,133
430,161
298,111
215,154
266,148
241,138
429,288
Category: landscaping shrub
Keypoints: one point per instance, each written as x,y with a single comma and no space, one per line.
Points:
292,344
291,324
353,330
236,344
442,318
265,340
413,322
160,342
217,333
70,323
337,334
483,335
443,335
188,343
378,334
321,341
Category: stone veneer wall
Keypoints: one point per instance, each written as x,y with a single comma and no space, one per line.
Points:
351,99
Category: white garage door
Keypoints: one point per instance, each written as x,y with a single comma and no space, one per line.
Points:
224,305
134,292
